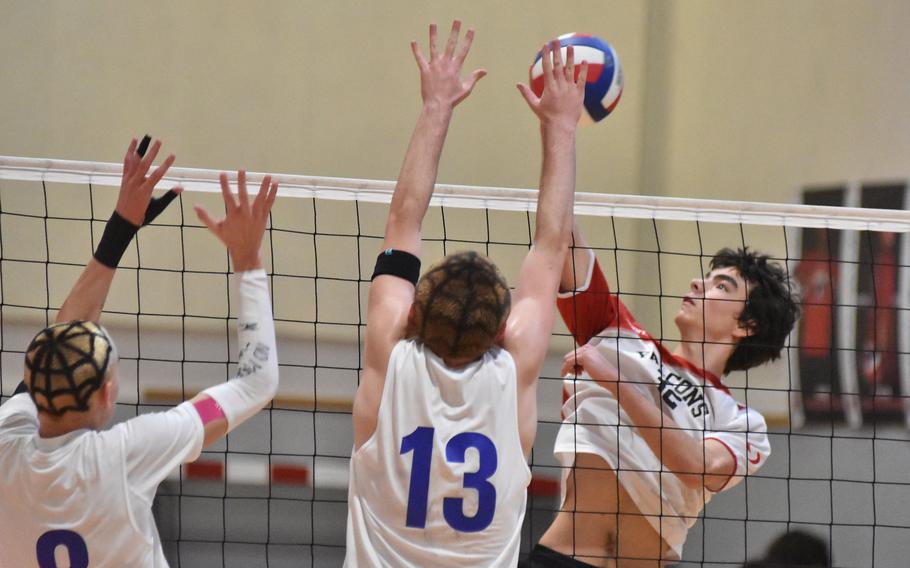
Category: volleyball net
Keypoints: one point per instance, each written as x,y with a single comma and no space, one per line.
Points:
274,492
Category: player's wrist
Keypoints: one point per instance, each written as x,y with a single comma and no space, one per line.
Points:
132,217
437,108
558,126
244,262
117,236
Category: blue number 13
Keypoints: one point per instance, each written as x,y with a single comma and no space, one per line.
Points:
420,441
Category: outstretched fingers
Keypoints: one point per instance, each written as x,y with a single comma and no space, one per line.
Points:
465,46
529,96
477,75
262,195
453,38
559,72
229,203
570,63
433,52
273,194
149,158
159,172
130,158
266,198
582,76
547,61
418,56
244,198
206,219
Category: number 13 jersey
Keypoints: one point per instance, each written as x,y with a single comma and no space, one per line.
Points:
443,480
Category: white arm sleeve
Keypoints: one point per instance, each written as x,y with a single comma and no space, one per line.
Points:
257,374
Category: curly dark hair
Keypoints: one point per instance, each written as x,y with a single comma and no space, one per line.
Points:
460,305
771,309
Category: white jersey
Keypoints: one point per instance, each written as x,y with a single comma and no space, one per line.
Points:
595,423
443,480
87,492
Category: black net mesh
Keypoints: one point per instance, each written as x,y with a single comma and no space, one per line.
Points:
274,492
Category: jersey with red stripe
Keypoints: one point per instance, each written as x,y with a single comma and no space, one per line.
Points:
595,423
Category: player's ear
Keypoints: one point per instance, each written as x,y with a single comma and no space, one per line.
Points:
743,330
109,393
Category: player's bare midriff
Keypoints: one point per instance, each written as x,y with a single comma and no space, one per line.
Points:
594,530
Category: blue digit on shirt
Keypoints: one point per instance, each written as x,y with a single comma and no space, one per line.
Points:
420,441
75,547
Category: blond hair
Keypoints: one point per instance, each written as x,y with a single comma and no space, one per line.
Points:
65,363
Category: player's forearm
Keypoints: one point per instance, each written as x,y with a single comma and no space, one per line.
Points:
86,299
417,178
678,450
557,188
257,374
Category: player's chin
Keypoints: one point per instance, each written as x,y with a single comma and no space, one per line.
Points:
685,317
679,317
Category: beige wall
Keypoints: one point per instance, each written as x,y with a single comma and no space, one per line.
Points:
322,88
319,88
763,97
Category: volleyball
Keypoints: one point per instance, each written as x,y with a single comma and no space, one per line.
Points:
604,84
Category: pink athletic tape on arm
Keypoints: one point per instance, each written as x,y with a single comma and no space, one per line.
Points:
209,410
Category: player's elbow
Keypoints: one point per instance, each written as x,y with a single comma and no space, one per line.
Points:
554,237
266,387
270,382
552,245
693,473
720,471
262,384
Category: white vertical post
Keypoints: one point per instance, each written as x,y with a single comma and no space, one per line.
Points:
847,297
902,304
795,394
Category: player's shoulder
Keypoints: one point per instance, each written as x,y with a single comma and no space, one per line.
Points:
736,415
161,422
499,356
750,413
405,352
18,415
625,326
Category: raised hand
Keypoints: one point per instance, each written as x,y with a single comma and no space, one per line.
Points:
135,202
243,225
440,77
563,93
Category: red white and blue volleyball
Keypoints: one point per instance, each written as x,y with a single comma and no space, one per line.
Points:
604,84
